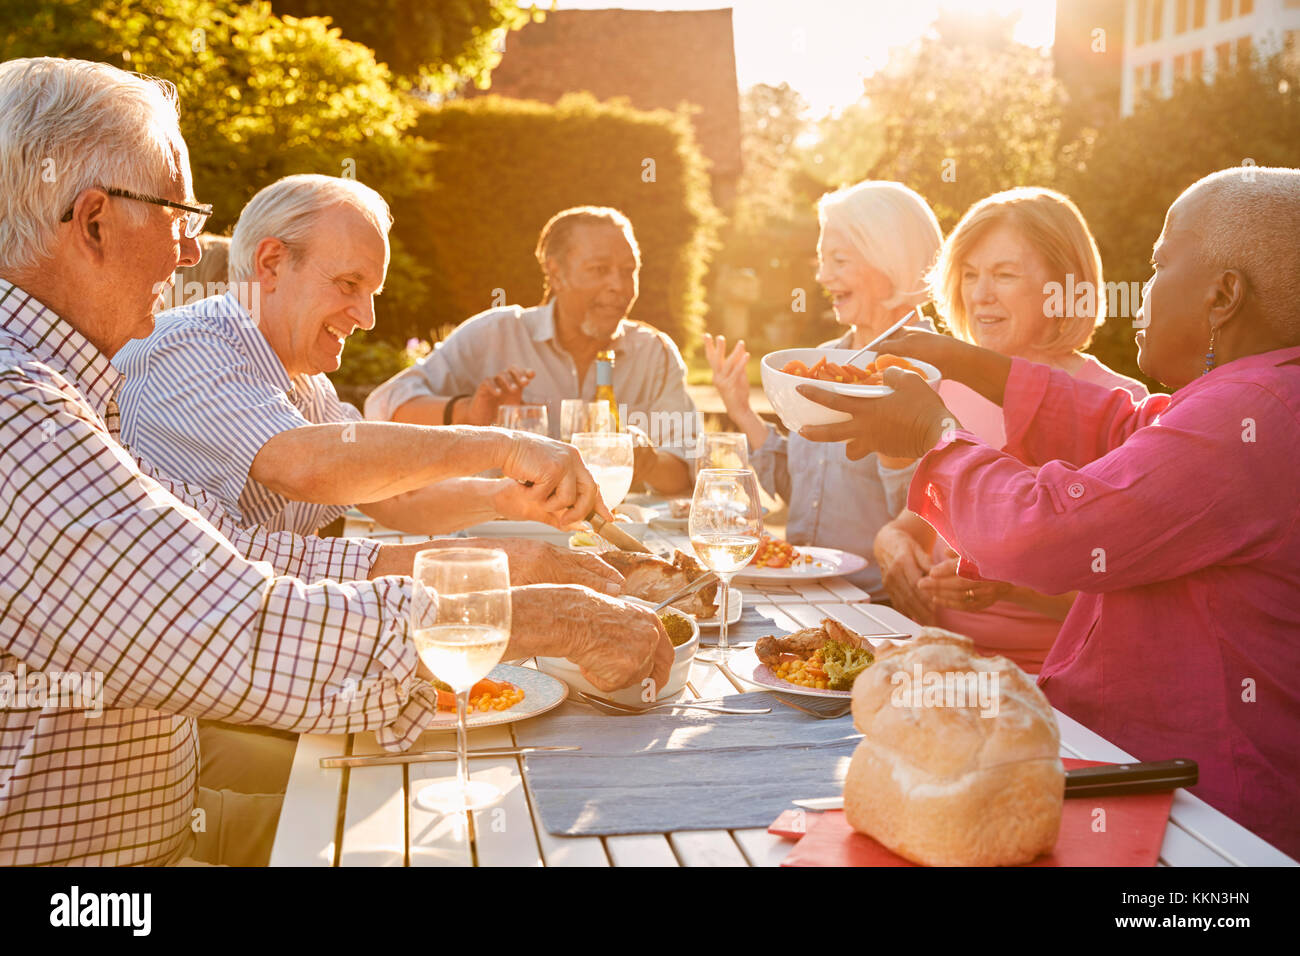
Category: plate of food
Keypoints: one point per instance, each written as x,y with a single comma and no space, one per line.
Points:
507,694
778,560
652,578
674,515
821,661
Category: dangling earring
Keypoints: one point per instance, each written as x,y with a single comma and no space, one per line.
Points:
1209,356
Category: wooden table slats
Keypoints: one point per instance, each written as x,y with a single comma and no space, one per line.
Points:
380,815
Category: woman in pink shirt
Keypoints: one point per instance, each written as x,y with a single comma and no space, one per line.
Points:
1177,518
1020,274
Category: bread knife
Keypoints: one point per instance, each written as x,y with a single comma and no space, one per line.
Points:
1107,780
615,535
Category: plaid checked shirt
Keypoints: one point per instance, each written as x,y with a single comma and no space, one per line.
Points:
110,568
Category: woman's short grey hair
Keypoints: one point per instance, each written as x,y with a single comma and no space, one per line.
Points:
1251,222
894,230
68,125
288,210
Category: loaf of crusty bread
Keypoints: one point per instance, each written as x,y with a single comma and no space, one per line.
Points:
950,785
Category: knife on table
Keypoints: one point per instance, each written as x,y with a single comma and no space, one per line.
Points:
1106,780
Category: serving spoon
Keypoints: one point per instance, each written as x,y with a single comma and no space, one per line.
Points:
880,338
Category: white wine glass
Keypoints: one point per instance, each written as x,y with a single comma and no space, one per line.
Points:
722,450
461,644
725,524
525,418
609,458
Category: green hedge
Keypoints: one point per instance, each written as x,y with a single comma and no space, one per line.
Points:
501,168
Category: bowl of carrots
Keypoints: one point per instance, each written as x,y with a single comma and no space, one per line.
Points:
787,369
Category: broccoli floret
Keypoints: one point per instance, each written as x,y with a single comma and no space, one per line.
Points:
843,664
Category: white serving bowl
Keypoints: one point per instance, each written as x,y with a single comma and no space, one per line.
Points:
797,411
567,671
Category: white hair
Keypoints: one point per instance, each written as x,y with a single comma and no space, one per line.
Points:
288,210
1249,220
68,125
893,228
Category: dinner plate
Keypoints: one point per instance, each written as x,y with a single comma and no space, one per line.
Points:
826,563
661,516
542,692
746,665
735,606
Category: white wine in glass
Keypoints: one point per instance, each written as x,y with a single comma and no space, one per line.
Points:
725,524
609,458
461,644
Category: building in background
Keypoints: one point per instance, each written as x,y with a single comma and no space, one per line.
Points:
1169,40
655,58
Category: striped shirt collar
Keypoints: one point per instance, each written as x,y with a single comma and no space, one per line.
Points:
241,322
51,340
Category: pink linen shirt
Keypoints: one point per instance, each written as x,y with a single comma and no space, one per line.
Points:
1005,627
1179,521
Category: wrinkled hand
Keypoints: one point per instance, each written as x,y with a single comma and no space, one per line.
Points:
615,645
520,502
557,476
730,372
645,457
943,586
538,562
904,563
905,424
506,388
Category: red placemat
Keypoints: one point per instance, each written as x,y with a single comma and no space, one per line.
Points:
1134,828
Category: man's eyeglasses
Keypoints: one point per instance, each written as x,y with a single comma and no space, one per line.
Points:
195,216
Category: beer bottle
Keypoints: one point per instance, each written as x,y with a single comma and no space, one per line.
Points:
605,383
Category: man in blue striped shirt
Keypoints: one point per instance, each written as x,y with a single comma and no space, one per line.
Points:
230,392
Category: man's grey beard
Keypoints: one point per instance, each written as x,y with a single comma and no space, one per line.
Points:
592,330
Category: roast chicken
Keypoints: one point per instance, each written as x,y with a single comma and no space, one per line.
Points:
769,649
652,578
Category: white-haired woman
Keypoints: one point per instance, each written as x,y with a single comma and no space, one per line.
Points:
878,240
1002,282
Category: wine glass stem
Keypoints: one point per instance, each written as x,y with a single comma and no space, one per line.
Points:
462,747
724,585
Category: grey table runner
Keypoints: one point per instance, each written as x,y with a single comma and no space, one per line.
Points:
681,770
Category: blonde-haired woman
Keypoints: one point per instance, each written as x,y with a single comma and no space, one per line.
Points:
878,241
1021,275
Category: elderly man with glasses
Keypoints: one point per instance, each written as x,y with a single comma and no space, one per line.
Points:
230,393
117,574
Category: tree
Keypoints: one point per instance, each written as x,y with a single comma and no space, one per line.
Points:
1137,166
769,246
261,97
443,43
957,123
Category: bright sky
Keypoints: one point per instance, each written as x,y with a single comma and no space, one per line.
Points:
823,48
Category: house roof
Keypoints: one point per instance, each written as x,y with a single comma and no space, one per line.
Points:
655,58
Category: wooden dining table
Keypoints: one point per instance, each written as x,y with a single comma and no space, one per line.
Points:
368,816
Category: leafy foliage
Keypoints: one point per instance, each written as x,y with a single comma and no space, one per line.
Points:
443,43
501,168
958,123
1133,169
261,97
772,237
